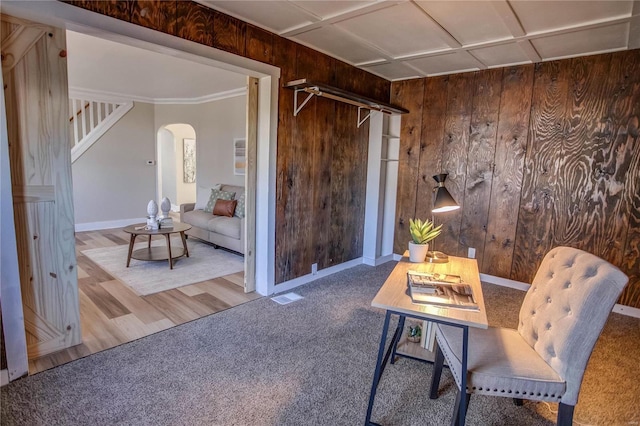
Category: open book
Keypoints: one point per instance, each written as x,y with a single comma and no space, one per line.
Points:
440,290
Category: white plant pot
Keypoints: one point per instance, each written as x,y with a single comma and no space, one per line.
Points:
417,252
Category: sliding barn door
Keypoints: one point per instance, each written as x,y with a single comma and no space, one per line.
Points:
34,70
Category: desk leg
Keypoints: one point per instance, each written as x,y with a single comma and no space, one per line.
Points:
169,251
397,338
131,241
184,243
464,400
379,369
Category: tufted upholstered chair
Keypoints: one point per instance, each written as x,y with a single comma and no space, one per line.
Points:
561,318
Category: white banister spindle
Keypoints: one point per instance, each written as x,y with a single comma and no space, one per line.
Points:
91,120
74,119
83,118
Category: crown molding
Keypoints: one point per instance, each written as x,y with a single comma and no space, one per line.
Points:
115,97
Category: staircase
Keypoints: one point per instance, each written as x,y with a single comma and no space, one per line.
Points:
90,119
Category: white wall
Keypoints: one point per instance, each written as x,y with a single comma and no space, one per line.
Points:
216,124
111,180
112,183
184,192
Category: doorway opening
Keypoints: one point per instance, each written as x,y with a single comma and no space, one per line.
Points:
176,148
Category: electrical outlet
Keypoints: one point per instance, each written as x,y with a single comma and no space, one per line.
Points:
314,269
472,253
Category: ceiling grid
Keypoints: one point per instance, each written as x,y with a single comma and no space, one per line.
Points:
405,39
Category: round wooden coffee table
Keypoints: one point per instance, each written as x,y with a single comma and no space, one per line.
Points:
157,253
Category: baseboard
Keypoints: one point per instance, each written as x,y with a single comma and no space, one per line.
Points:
110,224
626,310
505,282
397,257
305,279
4,377
377,261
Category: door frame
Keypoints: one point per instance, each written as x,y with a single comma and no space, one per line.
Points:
73,18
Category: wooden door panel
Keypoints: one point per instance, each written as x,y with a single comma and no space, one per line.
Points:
40,161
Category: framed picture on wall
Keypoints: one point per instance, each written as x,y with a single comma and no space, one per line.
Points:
189,160
239,156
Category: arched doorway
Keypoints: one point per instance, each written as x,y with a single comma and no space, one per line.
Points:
176,148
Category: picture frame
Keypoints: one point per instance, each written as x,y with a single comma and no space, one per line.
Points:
189,160
239,156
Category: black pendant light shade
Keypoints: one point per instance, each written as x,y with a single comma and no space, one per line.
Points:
444,201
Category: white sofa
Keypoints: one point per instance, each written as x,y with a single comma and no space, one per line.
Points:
221,231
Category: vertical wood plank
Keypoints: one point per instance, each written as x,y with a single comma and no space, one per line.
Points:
506,189
454,156
284,55
534,232
259,44
322,181
195,22
630,127
482,147
251,181
408,94
157,15
229,33
433,120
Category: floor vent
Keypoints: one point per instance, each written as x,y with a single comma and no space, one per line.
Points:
284,299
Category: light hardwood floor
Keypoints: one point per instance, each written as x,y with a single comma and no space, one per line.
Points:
111,313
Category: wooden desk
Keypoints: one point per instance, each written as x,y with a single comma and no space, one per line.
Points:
394,297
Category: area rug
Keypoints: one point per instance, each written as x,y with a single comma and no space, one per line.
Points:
148,277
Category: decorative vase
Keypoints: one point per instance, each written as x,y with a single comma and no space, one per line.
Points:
165,206
417,252
152,209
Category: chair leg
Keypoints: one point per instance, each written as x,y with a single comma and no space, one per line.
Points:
518,402
565,415
455,419
437,372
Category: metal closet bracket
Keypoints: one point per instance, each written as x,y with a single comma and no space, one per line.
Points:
296,108
361,120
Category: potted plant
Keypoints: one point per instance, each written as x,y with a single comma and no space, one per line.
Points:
421,233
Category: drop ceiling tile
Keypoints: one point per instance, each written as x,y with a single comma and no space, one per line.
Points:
538,16
469,22
500,55
393,71
340,44
327,8
399,30
583,42
276,16
444,64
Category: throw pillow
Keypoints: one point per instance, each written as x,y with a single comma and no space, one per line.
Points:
240,207
225,207
202,196
218,194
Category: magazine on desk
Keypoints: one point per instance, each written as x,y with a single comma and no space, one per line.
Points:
441,290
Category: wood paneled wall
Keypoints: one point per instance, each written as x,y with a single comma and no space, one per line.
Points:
321,154
538,156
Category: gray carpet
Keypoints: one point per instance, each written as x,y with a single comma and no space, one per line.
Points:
307,363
